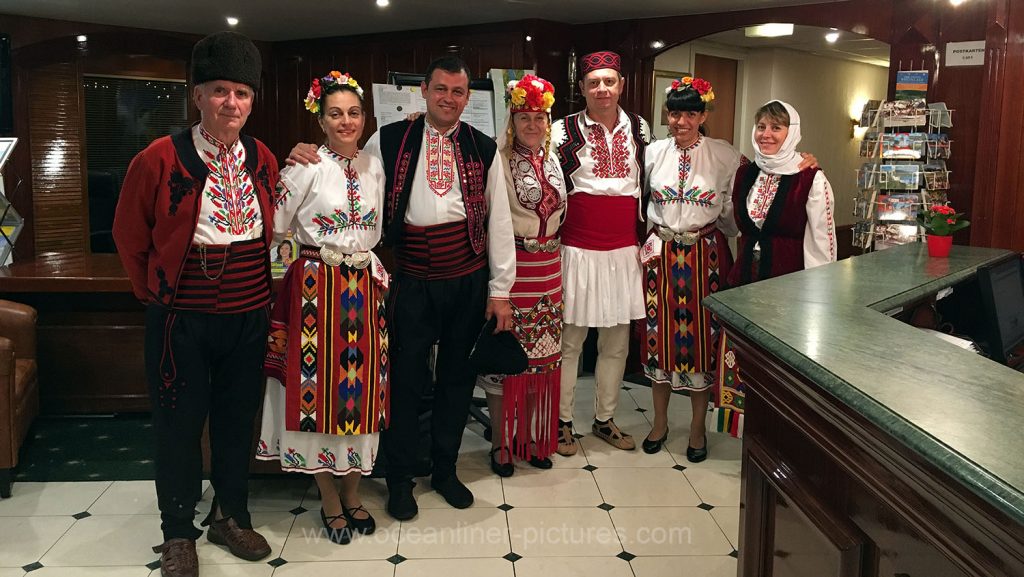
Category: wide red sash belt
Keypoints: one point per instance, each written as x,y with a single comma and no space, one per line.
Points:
596,222
438,252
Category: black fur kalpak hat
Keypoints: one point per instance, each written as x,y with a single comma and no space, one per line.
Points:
226,56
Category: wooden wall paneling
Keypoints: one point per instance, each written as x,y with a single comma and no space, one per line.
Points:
721,72
548,54
55,114
998,207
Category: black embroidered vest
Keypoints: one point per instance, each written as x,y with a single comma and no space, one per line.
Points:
400,144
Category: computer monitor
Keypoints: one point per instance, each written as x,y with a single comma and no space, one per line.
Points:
1002,299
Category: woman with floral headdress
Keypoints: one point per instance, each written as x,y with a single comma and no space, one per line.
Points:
327,375
784,212
524,407
686,257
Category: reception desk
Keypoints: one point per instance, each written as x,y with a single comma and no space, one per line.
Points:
870,447
90,331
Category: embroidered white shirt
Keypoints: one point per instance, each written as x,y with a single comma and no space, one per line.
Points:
335,203
429,206
692,187
229,209
608,164
820,233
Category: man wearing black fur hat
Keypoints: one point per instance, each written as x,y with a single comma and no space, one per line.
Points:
190,231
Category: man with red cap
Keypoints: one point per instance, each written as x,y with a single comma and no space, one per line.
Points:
601,150
190,229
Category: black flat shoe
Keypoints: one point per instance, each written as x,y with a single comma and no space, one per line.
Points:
653,446
502,469
697,455
364,526
536,461
340,536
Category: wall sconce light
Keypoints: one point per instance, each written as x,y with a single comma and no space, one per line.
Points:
856,130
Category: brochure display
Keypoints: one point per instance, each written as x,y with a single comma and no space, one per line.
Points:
905,150
11,223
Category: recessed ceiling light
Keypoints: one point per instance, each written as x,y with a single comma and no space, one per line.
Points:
770,30
232,21
81,37
383,3
657,44
831,37
529,38
957,2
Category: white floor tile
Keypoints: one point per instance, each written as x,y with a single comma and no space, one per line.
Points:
474,451
552,488
103,540
657,487
572,567
697,565
269,494
563,532
57,498
455,533
127,498
273,525
669,531
90,572
728,518
485,485
360,568
10,572
243,569
26,539
494,567
601,454
716,482
308,541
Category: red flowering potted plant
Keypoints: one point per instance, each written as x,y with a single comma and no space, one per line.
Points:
940,221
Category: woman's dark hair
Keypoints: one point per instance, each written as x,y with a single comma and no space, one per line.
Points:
685,101
773,111
331,89
281,246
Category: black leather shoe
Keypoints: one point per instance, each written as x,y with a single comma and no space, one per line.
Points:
502,469
342,536
364,526
536,461
454,492
697,455
401,503
653,446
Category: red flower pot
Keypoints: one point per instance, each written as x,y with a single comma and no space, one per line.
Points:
938,246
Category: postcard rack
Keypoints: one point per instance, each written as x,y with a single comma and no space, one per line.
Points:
905,151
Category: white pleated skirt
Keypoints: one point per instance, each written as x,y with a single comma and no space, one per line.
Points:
601,288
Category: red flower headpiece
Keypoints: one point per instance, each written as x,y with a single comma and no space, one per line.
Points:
530,94
701,86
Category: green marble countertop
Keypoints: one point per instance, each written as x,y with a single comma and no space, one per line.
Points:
957,409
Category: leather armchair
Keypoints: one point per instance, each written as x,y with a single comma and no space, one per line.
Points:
19,384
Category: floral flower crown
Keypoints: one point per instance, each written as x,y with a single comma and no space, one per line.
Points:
703,87
530,94
333,78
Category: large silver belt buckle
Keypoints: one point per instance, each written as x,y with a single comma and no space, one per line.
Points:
685,238
531,245
336,258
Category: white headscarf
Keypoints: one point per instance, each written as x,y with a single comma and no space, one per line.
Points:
786,160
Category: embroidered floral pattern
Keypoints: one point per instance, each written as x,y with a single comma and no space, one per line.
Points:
354,459
612,163
326,458
692,194
293,458
180,186
764,194
354,217
281,194
536,183
440,163
230,188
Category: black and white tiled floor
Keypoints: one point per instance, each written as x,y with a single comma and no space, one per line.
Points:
601,513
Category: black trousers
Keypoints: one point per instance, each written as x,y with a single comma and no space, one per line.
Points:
199,365
449,312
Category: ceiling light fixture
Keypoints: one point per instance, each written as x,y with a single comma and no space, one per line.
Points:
232,21
657,44
383,3
529,38
831,37
81,37
957,2
770,30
